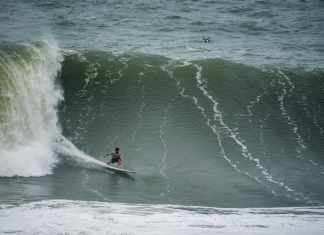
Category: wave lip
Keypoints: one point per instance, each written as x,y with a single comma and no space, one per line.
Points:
29,96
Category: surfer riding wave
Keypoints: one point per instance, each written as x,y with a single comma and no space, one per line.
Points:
115,157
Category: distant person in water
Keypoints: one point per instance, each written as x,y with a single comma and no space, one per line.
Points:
115,157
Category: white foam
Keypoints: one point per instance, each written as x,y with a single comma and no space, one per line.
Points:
29,121
30,138
140,113
35,159
81,217
66,148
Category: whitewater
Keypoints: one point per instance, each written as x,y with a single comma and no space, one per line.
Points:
226,136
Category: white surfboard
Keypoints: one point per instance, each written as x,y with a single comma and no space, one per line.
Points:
100,163
118,169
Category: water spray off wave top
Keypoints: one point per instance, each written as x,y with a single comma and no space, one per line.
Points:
29,97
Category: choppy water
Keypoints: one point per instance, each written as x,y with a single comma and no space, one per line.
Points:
234,123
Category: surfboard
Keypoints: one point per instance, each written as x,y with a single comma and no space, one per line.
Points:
103,164
118,169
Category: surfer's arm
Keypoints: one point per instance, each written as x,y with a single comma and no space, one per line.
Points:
106,154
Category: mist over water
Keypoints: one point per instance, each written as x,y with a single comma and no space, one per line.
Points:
234,123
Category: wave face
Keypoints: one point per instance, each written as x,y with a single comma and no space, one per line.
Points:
29,95
199,132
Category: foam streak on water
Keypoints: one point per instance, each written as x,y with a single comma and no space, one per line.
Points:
202,84
224,130
140,112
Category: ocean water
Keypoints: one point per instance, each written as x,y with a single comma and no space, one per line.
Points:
225,136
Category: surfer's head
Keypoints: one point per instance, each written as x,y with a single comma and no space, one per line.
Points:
116,150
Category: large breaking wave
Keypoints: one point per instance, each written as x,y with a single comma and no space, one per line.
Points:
241,125
29,97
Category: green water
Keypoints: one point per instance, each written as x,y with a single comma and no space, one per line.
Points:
237,122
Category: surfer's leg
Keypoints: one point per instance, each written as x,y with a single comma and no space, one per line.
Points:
109,162
119,162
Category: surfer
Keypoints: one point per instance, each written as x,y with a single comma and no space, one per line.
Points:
115,157
206,39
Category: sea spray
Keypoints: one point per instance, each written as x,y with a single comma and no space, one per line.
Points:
28,120
74,156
